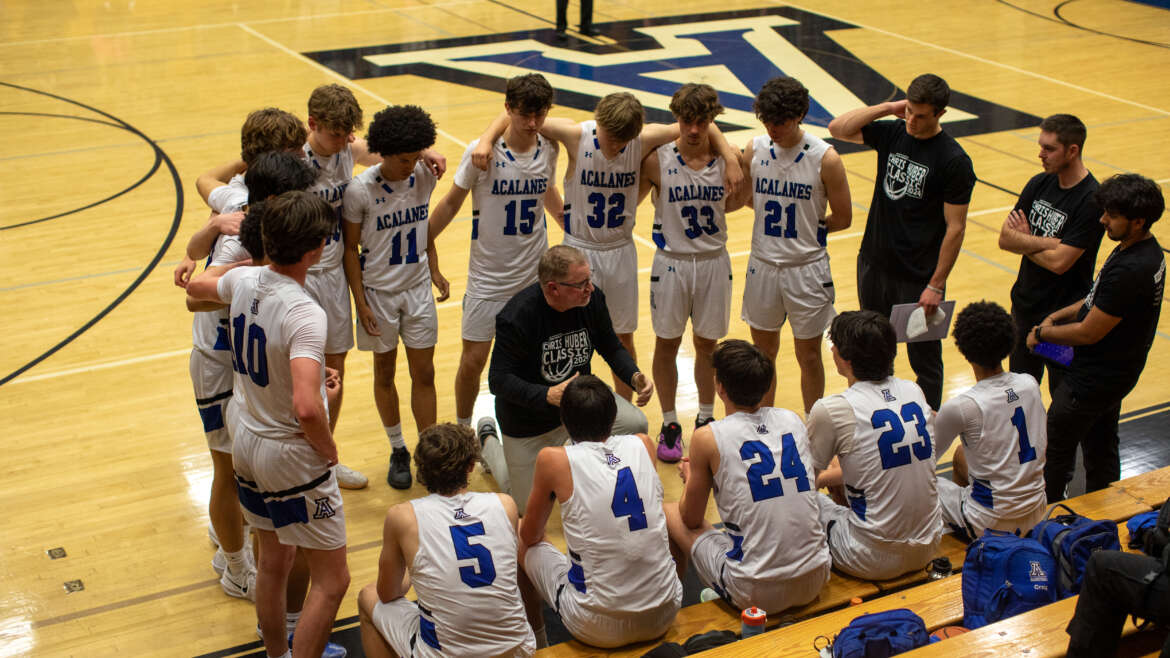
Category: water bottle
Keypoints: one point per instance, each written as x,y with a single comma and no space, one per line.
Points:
752,622
940,567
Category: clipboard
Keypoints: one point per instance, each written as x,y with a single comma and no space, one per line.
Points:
900,316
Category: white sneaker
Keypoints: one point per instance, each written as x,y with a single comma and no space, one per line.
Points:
485,428
241,586
219,562
347,478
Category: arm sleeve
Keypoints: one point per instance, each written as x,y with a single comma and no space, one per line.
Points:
960,180
830,430
959,416
468,174
228,249
354,203
505,374
876,134
305,325
606,341
223,287
228,198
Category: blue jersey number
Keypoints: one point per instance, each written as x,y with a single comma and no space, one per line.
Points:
892,454
791,468
627,502
773,219
253,346
411,248
1027,452
614,217
692,215
484,572
523,223
335,236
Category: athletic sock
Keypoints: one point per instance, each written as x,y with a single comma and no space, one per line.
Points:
395,435
669,417
290,621
236,561
706,411
466,422
541,637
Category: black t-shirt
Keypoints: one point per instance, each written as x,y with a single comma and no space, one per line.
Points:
538,347
906,224
1128,286
1071,215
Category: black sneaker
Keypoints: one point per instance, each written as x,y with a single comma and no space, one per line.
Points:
399,475
670,443
699,422
485,429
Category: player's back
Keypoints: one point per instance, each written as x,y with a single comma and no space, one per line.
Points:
615,528
601,194
765,495
464,574
789,200
889,473
689,213
269,312
508,232
1006,463
333,174
393,216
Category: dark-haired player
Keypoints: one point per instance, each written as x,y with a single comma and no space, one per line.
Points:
617,585
793,175
457,548
386,209
1111,331
879,430
918,214
999,468
771,552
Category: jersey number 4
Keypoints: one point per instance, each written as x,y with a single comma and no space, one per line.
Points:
483,573
761,474
894,455
250,339
627,502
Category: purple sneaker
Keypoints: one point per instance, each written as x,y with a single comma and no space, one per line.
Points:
670,443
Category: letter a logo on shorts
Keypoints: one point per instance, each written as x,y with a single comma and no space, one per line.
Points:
324,509
735,52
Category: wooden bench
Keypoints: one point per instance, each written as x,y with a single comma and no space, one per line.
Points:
717,615
1109,503
949,547
938,602
1152,487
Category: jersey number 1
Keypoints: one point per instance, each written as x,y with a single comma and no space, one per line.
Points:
256,365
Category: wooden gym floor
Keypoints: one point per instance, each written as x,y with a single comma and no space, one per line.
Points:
113,108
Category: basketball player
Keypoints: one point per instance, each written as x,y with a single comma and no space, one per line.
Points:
879,429
691,275
618,584
602,184
507,227
772,552
386,212
999,467
283,449
458,549
793,174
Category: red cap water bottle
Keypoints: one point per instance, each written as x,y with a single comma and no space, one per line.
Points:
752,621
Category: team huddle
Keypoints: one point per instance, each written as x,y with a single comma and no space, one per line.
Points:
294,234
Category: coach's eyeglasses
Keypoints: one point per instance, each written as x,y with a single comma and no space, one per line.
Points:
580,285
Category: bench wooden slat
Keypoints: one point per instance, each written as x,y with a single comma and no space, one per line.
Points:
938,602
1152,487
949,547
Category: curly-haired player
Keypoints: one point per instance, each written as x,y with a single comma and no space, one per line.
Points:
463,608
386,209
999,468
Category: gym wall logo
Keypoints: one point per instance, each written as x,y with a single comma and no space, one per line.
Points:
734,51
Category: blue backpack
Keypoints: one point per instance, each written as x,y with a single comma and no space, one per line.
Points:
1072,539
1004,575
1139,527
881,634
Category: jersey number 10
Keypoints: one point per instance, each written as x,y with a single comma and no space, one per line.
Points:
256,364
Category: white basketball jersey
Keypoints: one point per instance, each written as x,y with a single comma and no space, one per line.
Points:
889,474
230,197
615,528
1006,464
333,174
464,574
601,195
688,211
393,217
790,201
765,490
507,220
209,329
273,320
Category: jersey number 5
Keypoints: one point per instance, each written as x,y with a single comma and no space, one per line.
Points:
484,573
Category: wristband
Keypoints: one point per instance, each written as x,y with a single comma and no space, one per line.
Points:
933,289
1036,334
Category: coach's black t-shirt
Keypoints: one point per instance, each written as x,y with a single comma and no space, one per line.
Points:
1128,286
538,347
1071,215
915,177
